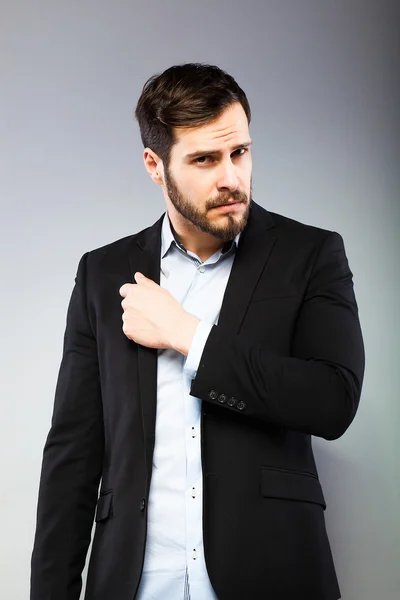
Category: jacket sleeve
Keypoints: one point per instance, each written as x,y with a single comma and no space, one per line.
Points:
72,461
315,390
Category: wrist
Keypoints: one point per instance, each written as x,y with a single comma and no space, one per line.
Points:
185,330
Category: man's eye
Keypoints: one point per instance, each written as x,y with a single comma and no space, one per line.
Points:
204,160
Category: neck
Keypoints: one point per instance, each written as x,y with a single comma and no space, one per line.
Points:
193,239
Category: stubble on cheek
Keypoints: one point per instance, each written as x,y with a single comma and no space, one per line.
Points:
223,226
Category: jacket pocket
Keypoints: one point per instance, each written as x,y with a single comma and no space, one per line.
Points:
291,485
104,507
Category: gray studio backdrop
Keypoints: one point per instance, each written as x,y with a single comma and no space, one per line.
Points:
323,81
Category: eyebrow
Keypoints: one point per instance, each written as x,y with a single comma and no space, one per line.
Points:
198,153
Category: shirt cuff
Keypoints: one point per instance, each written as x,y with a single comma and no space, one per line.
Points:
196,348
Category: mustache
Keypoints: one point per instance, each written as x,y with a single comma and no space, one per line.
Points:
227,198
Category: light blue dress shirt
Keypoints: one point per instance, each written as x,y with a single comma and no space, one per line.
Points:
174,566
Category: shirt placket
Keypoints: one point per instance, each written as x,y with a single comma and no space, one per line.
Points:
193,493
195,561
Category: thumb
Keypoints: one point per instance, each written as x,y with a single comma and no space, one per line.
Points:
140,278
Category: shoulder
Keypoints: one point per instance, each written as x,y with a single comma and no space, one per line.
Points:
298,232
296,240
286,224
119,250
114,249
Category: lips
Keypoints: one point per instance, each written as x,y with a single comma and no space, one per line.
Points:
229,204
230,207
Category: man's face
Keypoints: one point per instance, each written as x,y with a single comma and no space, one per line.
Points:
208,179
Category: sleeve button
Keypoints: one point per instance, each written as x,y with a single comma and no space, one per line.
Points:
222,398
241,405
213,395
232,401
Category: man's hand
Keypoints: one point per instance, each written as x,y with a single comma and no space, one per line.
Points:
153,318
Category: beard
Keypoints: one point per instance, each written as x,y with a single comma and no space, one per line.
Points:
232,223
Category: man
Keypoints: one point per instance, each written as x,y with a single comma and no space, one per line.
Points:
239,340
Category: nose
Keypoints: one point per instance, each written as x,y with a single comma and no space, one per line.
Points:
227,177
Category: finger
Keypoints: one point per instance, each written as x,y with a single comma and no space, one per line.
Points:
140,278
124,289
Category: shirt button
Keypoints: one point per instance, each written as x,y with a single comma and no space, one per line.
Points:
194,554
193,492
202,268
193,432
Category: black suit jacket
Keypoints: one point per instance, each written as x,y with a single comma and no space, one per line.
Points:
286,361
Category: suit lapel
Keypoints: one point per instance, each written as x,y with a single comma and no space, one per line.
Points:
146,259
254,248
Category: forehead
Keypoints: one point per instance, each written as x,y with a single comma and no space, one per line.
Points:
230,128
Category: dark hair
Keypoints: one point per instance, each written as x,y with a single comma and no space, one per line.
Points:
187,95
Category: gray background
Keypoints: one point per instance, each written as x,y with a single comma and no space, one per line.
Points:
323,81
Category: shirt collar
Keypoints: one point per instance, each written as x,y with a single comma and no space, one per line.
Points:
168,238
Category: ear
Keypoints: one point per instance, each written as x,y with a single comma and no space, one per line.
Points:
153,164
